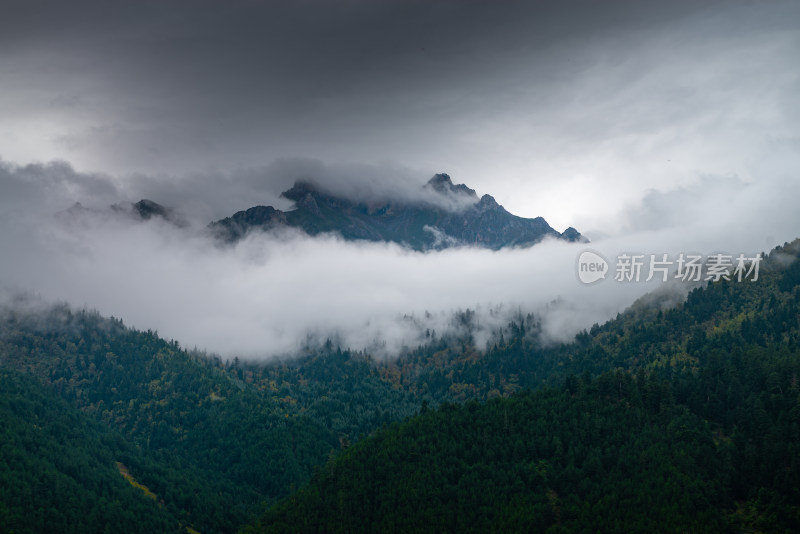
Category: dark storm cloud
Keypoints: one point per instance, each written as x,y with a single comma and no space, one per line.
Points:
176,85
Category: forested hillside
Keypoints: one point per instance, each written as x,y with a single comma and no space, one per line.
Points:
694,407
58,470
211,449
604,458
616,454
693,424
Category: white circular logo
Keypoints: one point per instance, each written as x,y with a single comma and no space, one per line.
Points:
591,267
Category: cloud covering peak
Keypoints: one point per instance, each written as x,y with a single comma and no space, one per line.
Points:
271,292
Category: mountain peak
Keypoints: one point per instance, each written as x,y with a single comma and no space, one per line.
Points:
240,223
441,183
487,202
146,209
572,235
440,180
299,190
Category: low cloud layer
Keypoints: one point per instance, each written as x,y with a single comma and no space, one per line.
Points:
272,292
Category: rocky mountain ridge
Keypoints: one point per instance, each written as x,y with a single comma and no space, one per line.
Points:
455,216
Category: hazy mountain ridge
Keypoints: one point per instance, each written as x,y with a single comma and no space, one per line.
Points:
452,215
143,210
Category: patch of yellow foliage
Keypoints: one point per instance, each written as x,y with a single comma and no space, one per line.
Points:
124,472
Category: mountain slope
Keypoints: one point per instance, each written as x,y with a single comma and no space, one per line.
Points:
601,460
59,469
452,216
697,429
214,449
615,454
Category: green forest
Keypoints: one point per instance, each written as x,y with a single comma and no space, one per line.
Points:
665,419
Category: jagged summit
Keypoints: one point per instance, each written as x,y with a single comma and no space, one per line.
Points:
441,183
571,234
487,202
419,225
147,209
300,189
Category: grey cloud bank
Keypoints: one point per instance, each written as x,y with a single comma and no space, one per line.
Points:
269,293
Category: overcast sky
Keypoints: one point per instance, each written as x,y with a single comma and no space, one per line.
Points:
645,124
568,110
